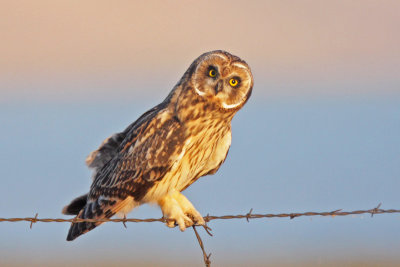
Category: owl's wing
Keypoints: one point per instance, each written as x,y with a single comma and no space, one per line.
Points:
106,151
145,155
149,150
110,146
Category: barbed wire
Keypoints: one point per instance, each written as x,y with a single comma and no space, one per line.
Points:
248,216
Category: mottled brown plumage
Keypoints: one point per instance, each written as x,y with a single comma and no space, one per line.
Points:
169,147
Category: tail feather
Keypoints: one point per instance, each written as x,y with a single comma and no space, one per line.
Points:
98,209
78,229
75,206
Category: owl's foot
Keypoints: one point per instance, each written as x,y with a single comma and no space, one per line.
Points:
179,211
174,214
189,209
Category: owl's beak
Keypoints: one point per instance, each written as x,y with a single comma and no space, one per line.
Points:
218,87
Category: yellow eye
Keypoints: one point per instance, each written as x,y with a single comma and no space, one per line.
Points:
212,73
233,82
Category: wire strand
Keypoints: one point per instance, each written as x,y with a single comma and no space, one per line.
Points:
248,216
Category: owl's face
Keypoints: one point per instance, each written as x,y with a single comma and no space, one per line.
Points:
222,78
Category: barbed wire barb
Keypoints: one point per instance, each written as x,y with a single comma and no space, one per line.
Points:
34,220
124,222
248,215
376,210
207,229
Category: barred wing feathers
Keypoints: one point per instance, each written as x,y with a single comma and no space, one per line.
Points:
111,146
149,150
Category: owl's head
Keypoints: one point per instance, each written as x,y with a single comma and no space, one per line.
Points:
223,78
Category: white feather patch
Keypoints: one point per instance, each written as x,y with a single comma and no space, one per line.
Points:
226,106
200,93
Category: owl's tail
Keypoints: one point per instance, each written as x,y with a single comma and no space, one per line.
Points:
101,208
75,206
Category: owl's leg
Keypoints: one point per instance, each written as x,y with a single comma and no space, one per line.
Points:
173,212
188,209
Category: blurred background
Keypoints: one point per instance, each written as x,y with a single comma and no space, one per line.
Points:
320,132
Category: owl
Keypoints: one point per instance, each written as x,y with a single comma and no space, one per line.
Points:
168,148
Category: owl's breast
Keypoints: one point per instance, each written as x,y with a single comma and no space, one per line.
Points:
203,152
217,154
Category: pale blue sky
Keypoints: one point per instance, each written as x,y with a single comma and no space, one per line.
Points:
287,155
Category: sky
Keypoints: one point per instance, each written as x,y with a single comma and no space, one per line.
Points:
320,132
98,50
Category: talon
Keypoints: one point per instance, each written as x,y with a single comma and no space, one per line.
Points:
196,217
200,222
186,222
179,219
182,227
171,223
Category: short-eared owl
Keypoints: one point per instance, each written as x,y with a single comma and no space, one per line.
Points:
169,147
